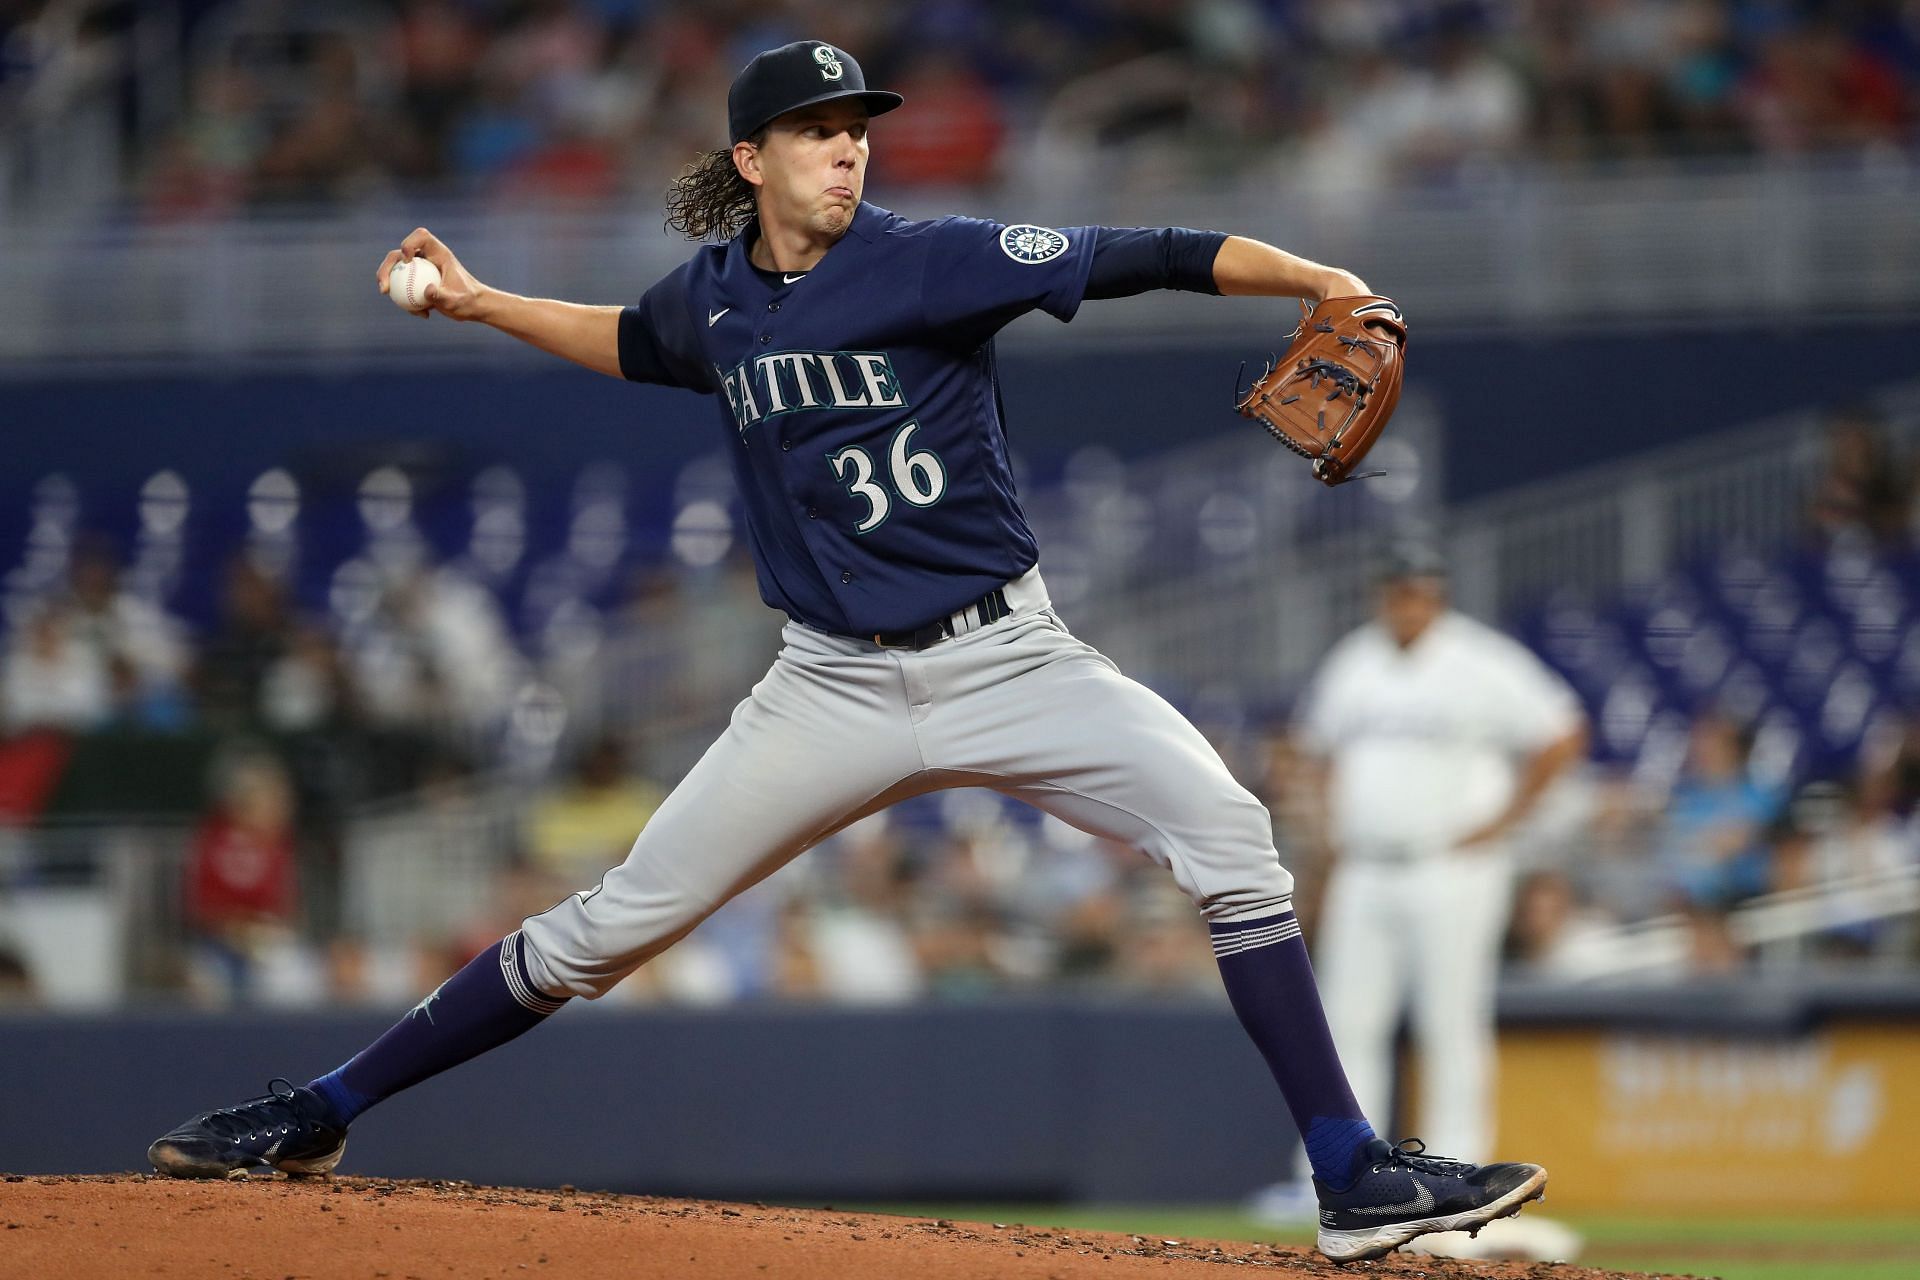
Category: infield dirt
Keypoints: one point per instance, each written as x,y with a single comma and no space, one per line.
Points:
79,1228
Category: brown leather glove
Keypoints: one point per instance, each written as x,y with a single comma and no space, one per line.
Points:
1329,396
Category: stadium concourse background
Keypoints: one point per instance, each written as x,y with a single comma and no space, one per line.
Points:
332,643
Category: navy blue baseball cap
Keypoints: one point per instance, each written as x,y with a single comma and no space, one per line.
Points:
1410,558
798,75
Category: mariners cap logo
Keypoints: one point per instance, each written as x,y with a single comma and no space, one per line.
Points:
779,80
1024,242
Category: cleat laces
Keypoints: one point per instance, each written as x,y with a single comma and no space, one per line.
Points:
259,1117
1412,1155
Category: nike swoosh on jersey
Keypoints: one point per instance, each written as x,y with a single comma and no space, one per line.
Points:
713,317
1422,1202
791,279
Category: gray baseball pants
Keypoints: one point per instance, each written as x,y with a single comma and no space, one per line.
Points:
841,728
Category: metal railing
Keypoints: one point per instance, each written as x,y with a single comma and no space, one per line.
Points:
1258,622
95,909
1732,239
1781,929
426,866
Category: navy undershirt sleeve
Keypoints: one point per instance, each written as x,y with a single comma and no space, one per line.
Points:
1130,260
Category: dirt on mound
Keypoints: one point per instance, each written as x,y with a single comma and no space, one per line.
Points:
274,1228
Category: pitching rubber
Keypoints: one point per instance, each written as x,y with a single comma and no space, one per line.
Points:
1378,1242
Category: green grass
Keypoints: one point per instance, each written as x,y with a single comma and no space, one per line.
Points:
1720,1247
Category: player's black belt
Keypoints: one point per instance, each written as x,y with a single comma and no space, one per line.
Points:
985,611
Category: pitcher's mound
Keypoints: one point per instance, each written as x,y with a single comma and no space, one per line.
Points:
273,1228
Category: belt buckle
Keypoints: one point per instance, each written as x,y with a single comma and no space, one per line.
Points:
947,628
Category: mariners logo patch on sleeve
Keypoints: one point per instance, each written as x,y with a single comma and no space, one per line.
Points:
1024,242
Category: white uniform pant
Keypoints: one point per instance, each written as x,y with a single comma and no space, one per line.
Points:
840,728
1421,938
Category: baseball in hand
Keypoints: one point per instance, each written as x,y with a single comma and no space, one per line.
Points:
408,282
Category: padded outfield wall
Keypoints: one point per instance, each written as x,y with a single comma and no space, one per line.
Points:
1730,1097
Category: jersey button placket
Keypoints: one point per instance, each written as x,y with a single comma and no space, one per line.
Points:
846,576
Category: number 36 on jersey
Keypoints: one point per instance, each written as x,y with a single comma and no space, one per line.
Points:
915,477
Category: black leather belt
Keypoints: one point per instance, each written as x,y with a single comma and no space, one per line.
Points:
988,609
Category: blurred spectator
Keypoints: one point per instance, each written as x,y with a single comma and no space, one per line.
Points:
1854,832
1075,897
1290,786
31,765
1555,935
953,137
585,99
1813,85
855,934
251,639
1711,948
143,707
959,948
1709,843
1833,836
122,626
305,688
436,657
1903,772
53,678
241,887
1865,490
1163,948
579,830
1464,106
204,168
17,988
737,953
440,49
333,148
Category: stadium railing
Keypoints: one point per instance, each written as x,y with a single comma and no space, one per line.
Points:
1730,240
1880,914
1259,622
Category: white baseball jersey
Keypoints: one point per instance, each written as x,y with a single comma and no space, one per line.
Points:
1423,741
1423,744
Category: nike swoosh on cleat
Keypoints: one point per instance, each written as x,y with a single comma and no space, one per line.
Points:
713,317
1422,1202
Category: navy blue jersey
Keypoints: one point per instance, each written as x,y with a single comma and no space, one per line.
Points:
864,412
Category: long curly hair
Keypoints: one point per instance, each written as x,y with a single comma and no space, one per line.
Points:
710,198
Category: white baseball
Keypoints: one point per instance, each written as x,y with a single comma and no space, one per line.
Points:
408,282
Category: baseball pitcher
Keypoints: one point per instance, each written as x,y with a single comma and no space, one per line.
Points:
848,355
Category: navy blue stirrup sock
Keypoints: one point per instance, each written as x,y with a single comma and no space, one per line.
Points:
1269,979
483,1006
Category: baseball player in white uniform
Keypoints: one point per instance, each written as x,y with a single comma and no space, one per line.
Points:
1434,736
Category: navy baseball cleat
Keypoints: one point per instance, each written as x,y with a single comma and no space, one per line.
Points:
289,1129
1401,1192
